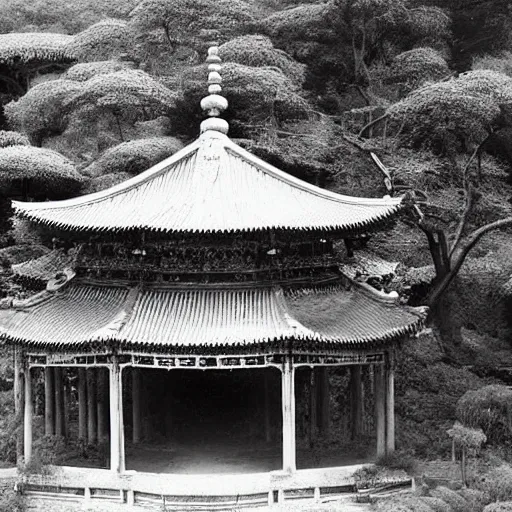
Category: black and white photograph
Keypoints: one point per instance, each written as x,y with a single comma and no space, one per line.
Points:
256,255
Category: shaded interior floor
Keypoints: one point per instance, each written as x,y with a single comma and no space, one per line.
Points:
219,458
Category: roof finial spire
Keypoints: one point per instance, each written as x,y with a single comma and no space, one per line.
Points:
214,103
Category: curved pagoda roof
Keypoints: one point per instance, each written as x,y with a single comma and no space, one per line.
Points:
212,185
204,318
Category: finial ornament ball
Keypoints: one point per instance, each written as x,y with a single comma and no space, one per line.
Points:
214,104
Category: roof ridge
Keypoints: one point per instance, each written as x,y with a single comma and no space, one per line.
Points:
304,185
114,327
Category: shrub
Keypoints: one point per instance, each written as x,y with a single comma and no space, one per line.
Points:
8,138
47,172
123,91
436,504
12,501
102,41
258,51
134,156
504,506
398,460
403,504
40,111
488,408
497,483
26,47
501,63
456,502
476,499
85,70
415,67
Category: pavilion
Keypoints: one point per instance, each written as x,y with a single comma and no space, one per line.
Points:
210,260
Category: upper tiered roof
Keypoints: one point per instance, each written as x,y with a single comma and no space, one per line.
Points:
212,186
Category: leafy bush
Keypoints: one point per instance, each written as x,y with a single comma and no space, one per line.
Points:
26,47
504,506
501,63
398,460
85,70
40,111
497,483
258,51
456,501
126,91
436,504
49,174
12,501
134,156
488,408
476,499
415,67
401,504
102,41
47,451
8,138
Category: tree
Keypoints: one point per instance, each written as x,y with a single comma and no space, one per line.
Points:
59,15
193,23
104,40
38,173
40,112
448,251
454,115
133,157
468,441
128,95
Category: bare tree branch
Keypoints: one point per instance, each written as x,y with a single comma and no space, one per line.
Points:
371,123
460,255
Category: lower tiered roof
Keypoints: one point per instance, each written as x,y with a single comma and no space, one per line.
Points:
159,318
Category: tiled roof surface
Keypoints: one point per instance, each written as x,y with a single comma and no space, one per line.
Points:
80,314
212,185
46,266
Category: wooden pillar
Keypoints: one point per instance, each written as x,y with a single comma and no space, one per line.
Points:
27,420
323,404
19,399
82,404
313,407
390,405
59,402
288,407
92,425
356,397
101,394
380,409
116,419
49,402
136,401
